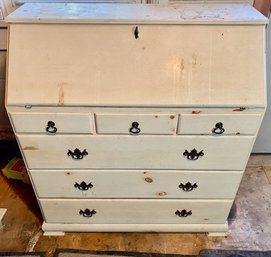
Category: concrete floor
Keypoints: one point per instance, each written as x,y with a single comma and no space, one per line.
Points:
250,223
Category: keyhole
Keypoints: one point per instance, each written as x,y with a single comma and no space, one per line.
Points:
136,33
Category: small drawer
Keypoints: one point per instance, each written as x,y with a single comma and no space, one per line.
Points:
133,211
52,123
219,124
136,184
165,124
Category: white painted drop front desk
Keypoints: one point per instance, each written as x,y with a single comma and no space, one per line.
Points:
136,117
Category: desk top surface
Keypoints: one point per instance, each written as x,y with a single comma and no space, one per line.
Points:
86,13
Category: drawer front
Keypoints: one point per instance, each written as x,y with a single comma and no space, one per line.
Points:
218,124
52,123
136,123
137,72
108,211
135,184
139,152
3,55
3,38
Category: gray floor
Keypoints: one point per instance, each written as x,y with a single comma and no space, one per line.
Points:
250,222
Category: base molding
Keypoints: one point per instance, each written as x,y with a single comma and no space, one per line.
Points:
60,229
53,233
218,234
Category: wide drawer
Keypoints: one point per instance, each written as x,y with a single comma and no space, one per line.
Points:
219,124
52,123
122,211
135,184
136,123
136,152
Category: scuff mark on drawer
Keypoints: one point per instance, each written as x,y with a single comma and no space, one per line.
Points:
61,93
30,148
162,193
196,112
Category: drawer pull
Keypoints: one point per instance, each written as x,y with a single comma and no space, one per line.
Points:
193,155
83,186
188,186
134,128
51,127
87,213
136,33
184,213
218,128
77,154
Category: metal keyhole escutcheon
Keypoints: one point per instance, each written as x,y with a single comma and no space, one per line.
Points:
135,128
183,213
51,127
87,213
188,186
218,129
193,154
83,186
77,154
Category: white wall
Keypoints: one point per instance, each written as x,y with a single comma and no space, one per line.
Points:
263,142
213,1
7,6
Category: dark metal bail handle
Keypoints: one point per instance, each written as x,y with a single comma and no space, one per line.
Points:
83,186
183,213
135,128
77,154
218,129
51,127
87,213
188,186
136,32
193,154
